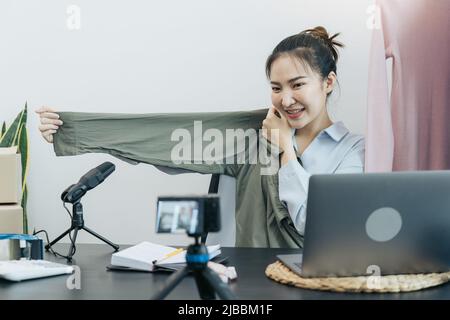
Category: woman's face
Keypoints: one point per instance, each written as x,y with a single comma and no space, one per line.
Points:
298,92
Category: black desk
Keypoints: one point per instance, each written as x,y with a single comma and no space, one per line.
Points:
250,263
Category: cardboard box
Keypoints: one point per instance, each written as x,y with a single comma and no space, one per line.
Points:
10,176
11,218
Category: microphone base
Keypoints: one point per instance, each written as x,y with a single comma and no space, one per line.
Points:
78,224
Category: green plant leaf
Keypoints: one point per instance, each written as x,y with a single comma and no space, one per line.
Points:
23,149
24,154
24,206
10,137
3,129
23,121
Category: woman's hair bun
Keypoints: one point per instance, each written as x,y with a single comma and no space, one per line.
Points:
322,33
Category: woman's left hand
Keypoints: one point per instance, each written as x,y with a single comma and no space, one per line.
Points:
275,120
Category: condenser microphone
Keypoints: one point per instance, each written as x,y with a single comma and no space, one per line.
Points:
87,182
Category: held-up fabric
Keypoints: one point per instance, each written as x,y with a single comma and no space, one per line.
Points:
333,150
409,130
262,220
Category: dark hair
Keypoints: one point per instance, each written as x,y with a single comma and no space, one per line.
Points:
313,47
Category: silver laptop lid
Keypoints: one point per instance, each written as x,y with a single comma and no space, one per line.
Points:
377,223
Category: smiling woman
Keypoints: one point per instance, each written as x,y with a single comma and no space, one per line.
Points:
302,74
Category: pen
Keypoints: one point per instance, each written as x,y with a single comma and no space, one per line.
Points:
171,254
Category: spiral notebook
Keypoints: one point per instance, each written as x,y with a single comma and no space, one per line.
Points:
147,256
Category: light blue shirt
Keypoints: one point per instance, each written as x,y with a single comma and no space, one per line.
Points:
333,150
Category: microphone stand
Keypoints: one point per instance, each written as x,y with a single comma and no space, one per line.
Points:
78,224
73,194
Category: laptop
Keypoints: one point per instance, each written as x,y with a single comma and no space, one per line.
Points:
375,224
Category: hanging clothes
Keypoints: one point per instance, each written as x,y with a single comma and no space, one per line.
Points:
409,130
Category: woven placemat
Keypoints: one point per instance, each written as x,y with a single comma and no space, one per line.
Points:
393,283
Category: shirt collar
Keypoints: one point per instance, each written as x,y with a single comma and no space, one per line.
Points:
336,132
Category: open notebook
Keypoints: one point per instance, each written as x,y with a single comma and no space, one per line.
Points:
147,256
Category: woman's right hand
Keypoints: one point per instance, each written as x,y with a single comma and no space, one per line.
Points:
49,122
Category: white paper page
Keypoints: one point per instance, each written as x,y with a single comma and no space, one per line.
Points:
145,251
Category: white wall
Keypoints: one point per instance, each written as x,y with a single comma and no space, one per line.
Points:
153,56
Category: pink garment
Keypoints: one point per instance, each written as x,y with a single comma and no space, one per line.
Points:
412,130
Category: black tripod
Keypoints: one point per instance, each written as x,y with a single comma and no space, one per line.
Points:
208,282
78,224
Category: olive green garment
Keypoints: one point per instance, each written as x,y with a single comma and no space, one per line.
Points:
261,219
